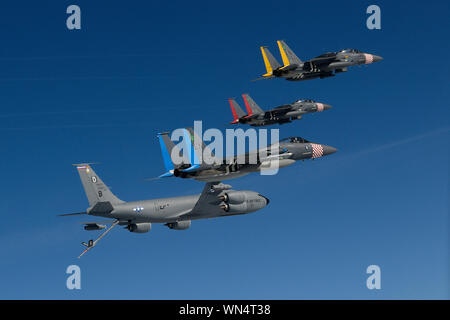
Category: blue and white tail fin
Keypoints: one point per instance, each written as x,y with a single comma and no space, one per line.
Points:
187,152
167,146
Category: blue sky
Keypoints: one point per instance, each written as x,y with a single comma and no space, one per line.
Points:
137,68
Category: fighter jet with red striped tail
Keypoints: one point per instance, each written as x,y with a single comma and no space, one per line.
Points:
257,117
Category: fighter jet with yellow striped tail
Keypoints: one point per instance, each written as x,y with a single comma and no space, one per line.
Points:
323,66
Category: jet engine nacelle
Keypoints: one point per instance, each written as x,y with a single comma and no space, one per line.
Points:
179,225
253,201
234,197
235,208
139,227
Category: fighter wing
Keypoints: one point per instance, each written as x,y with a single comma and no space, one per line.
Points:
208,203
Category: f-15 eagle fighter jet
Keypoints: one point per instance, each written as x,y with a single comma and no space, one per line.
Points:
256,117
323,66
278,155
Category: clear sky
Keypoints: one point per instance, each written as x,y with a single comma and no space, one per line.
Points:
137,68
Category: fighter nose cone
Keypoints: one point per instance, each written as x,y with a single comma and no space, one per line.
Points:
322,106
377,58
371,58
327,150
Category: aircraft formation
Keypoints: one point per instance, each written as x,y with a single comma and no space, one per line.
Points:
218,199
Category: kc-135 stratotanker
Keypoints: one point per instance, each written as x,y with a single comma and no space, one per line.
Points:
216,200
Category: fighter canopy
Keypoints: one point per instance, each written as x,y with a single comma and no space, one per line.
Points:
295,140
350,51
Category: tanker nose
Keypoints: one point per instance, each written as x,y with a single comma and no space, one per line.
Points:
267,200
327,150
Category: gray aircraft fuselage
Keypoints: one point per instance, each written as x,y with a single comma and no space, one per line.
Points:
167,210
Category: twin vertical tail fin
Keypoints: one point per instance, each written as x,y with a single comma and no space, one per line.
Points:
251,105
236,110
96,191
186,150
270,62
167,146
288,56
192,151
199,144
200,147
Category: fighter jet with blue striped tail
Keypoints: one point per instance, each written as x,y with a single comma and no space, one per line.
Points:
277,155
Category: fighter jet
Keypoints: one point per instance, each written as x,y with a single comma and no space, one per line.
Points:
216,200
323,66
288,151
257,117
